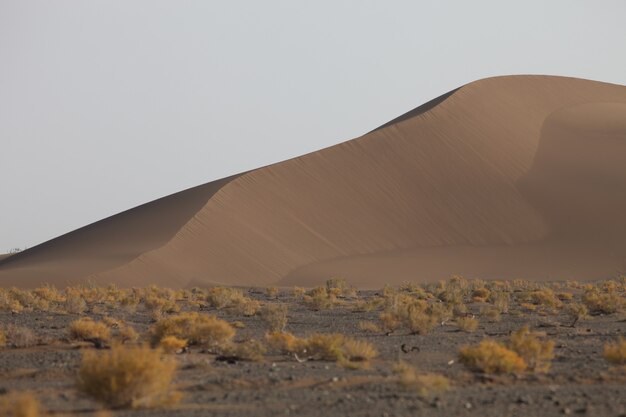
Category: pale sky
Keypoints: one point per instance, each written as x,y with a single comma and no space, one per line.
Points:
105,105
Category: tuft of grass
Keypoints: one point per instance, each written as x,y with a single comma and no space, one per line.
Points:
128,377
172,344
319,298
275,315
467,324
599,302
249,350
348,352
369,326
577,312
233,300
615,352
533,348
285,343
425,384
19,404
272,292
491,357
19,336
199,329
88,330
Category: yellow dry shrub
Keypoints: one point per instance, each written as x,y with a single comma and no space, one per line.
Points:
275,315
425,384
545,297
272,292
491,357
285,343
480,294
605,303
87,329
248,350
3,338
369,326
467,324
356,354
319,299
390,321
532,348
128,377
172,344
615,352
337,347
577,312
126,333
298,292
20,404
199,329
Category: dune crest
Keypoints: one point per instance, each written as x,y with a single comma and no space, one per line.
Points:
507,177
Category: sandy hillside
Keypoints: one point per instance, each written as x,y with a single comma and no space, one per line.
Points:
508,177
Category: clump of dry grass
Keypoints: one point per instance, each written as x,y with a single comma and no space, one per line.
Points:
128,377
172,344
88,330
491,357
20,404
248,350
533,348
425,384
275,315
603,300
75,304
467,324
272,292
285,343
198,329
615,352
19,336
319,299
347,352
3,338
233,300
369,326
577,312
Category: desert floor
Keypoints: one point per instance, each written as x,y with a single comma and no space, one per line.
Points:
579,381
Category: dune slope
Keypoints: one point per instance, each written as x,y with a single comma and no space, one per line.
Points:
507,177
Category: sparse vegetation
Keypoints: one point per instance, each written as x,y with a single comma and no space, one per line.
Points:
90,331
615,352
425,384
128,377
19,336
275,315
467,324
198,329
491,357
20,404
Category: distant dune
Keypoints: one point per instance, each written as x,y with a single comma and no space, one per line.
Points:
507,177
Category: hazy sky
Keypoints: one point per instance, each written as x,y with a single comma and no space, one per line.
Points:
105,105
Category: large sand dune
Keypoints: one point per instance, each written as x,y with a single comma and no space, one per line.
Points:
507,177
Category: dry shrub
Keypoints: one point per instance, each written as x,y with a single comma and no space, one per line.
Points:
425,384
390,321
89,330
199,329
3,338
272,292
319,299
491,313
340,288
528,306
491,357
233,300
369,326
467,324
337,347
128,377
172,344
19,336
532,348
480,295
285,343
603,303
298,292
577,312
19,404
615,352
275,315
249,350
545,297
126,333
75,304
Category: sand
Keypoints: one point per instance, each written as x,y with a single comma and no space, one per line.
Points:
506,177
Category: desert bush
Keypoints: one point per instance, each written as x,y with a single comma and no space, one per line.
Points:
500,300
491,357
425,384
545,297
491,313
275,315
319,299
233,300
602,303
172,344
19,336
369,326
356,354
480,295
199,329
533,348
467,324
20,404
337,347
615,352
285,343
390,321
126,333
272,292
88,330
249,350
298,292
3,338
577,312
74,304
421,320
127,377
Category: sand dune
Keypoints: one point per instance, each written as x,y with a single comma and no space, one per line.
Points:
507,177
